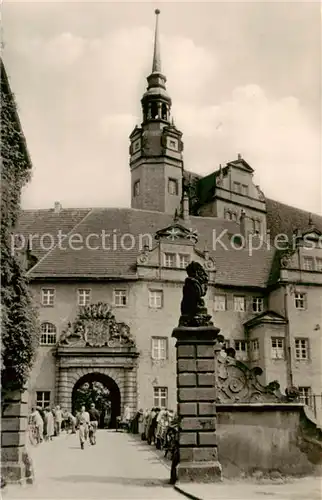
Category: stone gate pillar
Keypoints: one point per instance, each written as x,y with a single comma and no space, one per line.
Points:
196,404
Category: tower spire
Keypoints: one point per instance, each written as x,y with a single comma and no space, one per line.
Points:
156,64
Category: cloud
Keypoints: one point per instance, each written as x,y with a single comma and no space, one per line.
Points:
97,105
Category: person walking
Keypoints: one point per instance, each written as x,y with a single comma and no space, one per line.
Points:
58,418
37,421
82,424
49,421
94,417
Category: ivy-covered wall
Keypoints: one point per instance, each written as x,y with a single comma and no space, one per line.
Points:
20,330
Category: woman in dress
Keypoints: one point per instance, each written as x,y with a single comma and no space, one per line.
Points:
49,420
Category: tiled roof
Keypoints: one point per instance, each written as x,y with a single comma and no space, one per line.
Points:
285,219
234,267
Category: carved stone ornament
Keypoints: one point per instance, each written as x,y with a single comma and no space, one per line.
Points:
236,383
210,264
95,326
143,257
177,232
193,310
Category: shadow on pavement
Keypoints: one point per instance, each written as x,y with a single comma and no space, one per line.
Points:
124,481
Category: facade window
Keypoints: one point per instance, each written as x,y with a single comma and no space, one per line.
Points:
300,300
47,334
160,398
155,299
239,304
257,226
173,186
244,189
306,396
254,349
308,263
241,349
43,399
120,298
136,188
220,303
301,349
159,348
234,216
319,264
136,146
257,304
277,348
170,260
237,187
48,296
84,296
173,144
183,260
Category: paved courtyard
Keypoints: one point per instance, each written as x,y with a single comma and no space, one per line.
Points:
118,467
121,467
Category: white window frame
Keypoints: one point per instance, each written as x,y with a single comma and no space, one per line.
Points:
220,302
237,187
318,264
82,295
254,349
237,300
300,301
301,349
160,397
257,304
165,259
277,350
48,334
244,189
156,299
48,297
159,348
308,259
118,295
173,182
181,257
240,347
42,401
306,396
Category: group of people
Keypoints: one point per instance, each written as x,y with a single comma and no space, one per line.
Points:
154,426
48,423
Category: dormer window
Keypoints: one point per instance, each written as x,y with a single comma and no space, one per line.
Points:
308,263
136,188
237,187
173,186
244,189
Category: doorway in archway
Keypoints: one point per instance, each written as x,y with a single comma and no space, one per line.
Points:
101,390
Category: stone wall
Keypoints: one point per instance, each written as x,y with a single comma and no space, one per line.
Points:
15,465
267,438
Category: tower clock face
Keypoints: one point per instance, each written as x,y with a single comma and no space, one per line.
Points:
172,143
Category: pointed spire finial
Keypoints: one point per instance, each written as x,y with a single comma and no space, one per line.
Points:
156,64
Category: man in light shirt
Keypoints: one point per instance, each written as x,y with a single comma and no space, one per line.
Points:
58,418
83,423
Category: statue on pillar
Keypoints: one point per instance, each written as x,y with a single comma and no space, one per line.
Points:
193,310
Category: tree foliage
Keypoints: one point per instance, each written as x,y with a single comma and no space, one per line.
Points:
19,324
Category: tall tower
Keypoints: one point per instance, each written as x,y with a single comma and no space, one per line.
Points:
156,147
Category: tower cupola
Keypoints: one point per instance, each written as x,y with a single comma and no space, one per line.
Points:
156,102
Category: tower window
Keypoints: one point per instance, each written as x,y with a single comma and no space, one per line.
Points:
154,110
136,188
164,112
173,186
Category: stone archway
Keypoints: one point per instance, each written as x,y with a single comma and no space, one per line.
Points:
113,396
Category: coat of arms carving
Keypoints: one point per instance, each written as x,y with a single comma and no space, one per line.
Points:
96,326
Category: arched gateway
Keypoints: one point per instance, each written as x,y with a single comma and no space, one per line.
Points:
95,348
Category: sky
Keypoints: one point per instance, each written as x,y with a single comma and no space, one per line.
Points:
244,77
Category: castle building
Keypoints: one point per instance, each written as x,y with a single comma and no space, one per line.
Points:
108,282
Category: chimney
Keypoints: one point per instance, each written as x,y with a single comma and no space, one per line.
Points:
185,207
239,156
57,207
242,222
